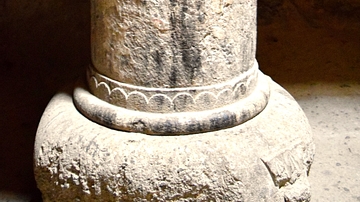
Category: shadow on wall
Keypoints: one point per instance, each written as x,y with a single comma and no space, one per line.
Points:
44,45
309,41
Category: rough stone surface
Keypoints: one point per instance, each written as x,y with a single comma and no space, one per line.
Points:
170,58
173,44
173,56
168,68
265,159
45,44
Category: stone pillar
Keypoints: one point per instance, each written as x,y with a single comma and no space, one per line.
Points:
173,67
184,112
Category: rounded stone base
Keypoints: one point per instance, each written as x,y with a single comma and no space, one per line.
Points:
266,158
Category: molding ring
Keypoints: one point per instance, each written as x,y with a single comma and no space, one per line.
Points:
180,123
167,100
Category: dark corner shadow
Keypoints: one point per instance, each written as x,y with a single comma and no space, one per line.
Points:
297,44
44,46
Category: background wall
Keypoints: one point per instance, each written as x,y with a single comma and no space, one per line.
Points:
44,45
311,40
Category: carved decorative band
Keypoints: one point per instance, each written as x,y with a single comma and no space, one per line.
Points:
173,123
167,100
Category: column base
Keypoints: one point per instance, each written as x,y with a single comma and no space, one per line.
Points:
266,158
175,123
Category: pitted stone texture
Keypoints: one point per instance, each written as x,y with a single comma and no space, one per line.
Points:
173,44
264,159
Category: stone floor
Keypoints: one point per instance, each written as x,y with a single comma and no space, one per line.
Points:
334,114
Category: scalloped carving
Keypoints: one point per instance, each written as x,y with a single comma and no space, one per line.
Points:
240,89
103,90
118,97
205,100
164,100
137,101
183,101
222,97
160,103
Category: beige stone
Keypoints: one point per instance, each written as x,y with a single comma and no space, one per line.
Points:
264,159
174,108
174,60
173,44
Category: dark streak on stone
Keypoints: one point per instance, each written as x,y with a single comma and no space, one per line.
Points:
173,78
244,116
160,100
154,56
169,126
194,127
157,57
107,118
166,127
190,52
185,44
242,89
173,23
217,121
222,120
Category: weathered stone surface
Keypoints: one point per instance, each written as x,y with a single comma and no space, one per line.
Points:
174,68
165,59
264,159
188,121
173,44
197,98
